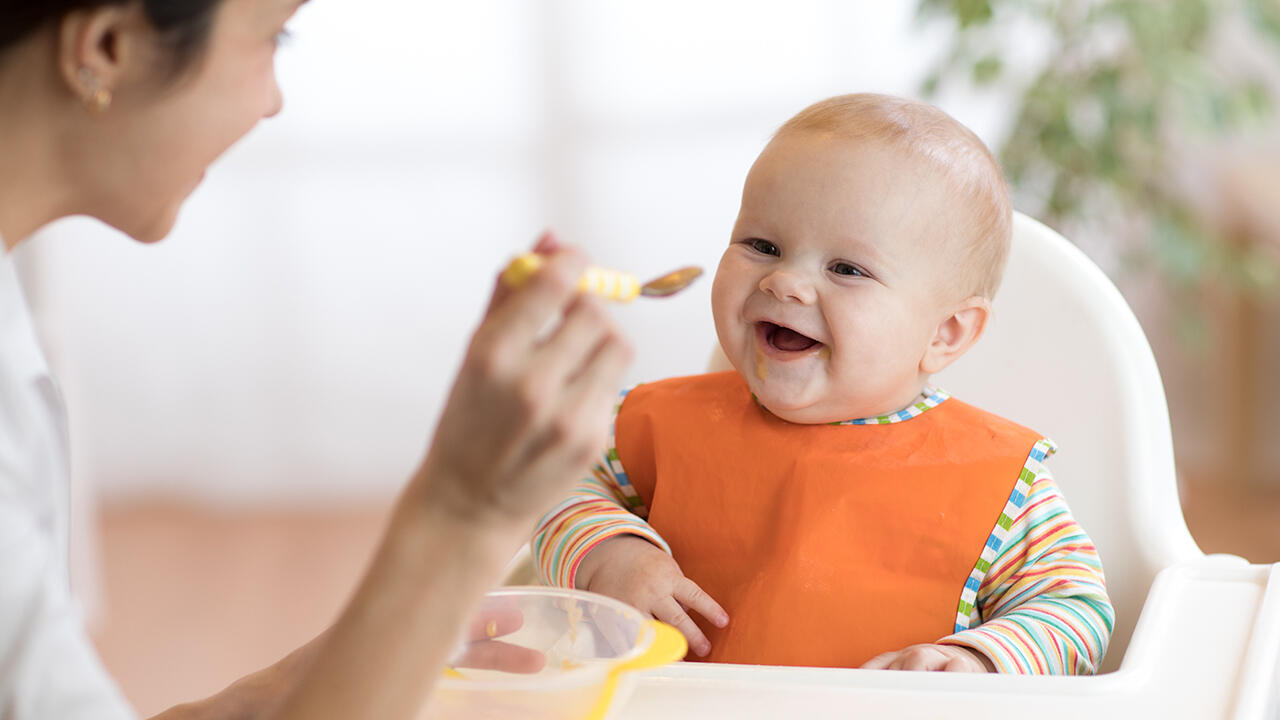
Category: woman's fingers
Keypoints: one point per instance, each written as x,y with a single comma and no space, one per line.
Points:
670,612
530,407
572,345
522,314
496,655
546,244
497,617
693,597
577,429
598,381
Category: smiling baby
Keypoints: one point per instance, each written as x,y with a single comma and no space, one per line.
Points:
823,504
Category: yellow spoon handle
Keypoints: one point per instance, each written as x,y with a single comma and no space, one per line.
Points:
608,284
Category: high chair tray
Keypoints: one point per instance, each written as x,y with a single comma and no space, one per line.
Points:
1205,646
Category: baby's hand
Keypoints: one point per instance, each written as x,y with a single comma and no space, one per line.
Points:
637,572
936,658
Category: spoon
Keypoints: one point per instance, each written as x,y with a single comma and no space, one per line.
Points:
608,284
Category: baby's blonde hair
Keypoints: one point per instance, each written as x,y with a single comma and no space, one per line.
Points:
961,157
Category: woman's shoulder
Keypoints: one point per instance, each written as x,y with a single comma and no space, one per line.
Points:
33,443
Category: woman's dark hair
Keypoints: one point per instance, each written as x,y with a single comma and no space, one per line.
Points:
183,25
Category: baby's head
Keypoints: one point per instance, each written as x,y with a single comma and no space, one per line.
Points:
872,236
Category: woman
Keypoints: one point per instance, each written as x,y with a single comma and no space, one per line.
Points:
114,108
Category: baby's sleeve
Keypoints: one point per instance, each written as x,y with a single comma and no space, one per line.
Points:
1043,604
601,506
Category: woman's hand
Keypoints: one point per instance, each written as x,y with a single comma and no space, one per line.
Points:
483,649
527,415
530,408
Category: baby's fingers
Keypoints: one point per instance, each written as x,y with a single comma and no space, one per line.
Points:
920,659
924,657
694,598
881,661
670,612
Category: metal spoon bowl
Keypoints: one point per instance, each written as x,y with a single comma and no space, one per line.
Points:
671,283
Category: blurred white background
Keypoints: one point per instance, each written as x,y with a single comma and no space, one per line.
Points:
295,338
293,341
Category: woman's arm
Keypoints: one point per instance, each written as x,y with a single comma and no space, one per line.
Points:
251,696
397,630
391,643
525,418
377,642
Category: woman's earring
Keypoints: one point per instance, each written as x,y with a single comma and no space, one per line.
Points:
99,98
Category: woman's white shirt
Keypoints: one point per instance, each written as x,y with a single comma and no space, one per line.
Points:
48,666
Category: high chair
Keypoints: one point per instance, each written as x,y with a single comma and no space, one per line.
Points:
1196,636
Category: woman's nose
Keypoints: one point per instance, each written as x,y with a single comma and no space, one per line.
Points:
789,287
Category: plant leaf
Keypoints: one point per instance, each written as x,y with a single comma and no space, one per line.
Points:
987,70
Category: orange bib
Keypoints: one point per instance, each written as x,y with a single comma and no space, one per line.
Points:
826,544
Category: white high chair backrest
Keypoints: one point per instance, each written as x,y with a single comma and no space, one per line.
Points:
1065,356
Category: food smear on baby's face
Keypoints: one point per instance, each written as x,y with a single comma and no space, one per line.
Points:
762,367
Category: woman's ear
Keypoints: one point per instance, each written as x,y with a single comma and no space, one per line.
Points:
95,47
956,334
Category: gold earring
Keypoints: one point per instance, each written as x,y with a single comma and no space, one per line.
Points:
99,98
99,101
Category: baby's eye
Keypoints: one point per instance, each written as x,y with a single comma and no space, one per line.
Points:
844,268
764,246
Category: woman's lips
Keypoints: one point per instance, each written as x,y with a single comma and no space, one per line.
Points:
783,342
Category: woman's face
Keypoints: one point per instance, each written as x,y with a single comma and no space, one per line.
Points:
163,136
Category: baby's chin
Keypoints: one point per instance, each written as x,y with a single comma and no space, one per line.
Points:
808,402
821,413
796,404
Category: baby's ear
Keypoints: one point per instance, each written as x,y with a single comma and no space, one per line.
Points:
956,334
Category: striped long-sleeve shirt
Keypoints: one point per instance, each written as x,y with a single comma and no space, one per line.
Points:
1041,606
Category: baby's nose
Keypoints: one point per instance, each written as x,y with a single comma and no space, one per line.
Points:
789,287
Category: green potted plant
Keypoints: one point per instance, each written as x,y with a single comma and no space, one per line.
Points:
1121,87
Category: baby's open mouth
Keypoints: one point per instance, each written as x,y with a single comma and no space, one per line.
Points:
785,339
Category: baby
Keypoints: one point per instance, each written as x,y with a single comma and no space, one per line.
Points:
842,510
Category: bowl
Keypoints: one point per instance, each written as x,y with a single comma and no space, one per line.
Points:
550,653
